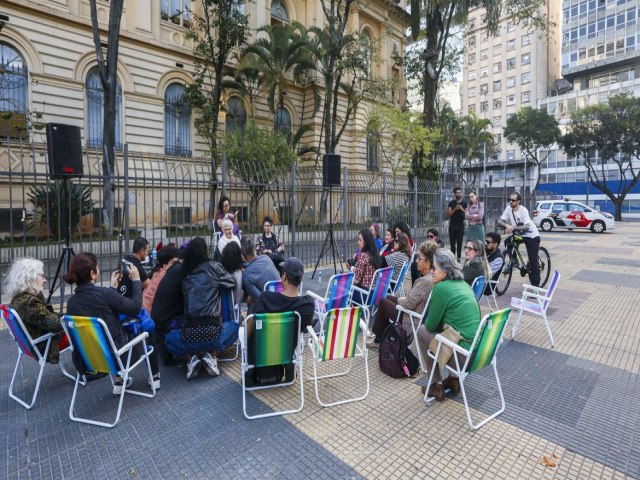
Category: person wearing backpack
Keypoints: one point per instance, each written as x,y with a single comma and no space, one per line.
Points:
452,303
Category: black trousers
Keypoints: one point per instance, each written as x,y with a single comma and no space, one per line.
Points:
533,247
456,236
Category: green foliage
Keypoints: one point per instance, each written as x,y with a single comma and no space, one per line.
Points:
401,212
59,204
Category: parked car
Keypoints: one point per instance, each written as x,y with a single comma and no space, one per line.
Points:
550,214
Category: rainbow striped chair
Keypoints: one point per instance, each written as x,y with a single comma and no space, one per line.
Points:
481,354
535,300
229,313
377,290
416,319
339,340
27,347
276,286
273,344
91,337
338,293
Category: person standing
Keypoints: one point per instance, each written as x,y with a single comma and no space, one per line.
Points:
475,216
516,217
456,212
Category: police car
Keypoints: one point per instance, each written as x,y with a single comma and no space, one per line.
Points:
550,214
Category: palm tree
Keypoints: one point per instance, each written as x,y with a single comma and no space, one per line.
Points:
474,134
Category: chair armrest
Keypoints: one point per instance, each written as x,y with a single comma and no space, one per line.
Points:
454,346
312,334
132,343
241,336
365,294
43,338
526,295
315,296
537,290
363,326
412,313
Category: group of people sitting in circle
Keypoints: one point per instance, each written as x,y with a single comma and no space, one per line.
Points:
183,293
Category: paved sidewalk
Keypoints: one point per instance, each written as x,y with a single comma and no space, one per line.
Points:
577,401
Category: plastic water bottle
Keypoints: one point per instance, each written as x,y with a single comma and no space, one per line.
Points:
154,257
320,277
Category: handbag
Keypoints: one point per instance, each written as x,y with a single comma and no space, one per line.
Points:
446,352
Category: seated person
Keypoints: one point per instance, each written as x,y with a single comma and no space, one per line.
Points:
224,213
140,251
368,262
269,245
106,303
375,231
397,259
231,260
167,308
289,300
167,256
494,257
203,334
433,235
415,299
453,303
389,242
227,236
258,270
384,249
24,285
475,264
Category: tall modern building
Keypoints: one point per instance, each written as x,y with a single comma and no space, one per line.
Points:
504,72
600,58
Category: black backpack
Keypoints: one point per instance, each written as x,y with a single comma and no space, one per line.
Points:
395,358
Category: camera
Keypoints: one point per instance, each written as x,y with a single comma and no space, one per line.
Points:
125,267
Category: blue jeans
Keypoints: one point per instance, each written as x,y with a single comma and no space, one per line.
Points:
179,348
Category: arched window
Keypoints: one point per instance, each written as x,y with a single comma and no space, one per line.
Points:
95,109
282,121
177,122
13,93
236,115
373,140
367,53
279,14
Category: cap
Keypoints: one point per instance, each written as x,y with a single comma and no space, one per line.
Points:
293,267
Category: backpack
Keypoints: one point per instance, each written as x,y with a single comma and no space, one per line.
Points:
395,358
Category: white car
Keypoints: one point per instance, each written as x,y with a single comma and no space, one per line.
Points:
550,214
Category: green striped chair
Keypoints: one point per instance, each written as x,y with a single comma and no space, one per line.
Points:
339,336
481,354
273,344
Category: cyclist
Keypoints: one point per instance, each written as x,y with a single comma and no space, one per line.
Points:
516,217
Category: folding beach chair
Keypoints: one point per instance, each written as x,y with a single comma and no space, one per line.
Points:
416,319
478,287
535,300
273,344
338,339
397,288
376,292
91,337
229,313
273,286
337,295
492,302
481,354
27,347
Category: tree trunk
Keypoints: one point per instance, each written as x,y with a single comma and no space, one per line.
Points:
108,157
618,201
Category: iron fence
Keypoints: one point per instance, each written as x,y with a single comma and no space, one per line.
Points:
173,199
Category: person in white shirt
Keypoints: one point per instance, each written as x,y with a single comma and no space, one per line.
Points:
516,217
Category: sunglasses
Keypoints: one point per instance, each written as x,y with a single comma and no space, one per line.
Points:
431,236
468,248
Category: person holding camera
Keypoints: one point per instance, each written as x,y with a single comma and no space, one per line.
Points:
516,217
140,251
224,213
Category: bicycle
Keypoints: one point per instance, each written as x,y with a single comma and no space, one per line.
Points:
514,259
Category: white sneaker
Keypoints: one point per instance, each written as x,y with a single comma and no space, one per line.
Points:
193,367
118,384
210,364
155,381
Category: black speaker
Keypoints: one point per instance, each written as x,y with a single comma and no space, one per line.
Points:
64,149
331,170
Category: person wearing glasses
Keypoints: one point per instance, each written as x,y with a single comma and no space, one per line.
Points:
475,264
24,284
516,217
456,212
433,235
494,257
475,216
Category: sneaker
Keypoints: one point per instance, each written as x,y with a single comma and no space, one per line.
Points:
155,381
118,384
193,367
210,364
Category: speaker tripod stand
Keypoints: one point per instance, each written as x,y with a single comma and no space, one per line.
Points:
65,258
329,243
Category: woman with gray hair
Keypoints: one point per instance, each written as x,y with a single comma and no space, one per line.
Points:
24,284
453,303
227,237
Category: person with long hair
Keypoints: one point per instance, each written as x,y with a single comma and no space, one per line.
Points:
167,256
368,262
106,303
401,226
24,284
475,264
475,216
401,253
224,213
389,242
375,231
204,334
231,260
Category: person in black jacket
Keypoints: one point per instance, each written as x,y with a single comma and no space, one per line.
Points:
204,334
106,303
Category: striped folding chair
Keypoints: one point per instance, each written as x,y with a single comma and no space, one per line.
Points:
416,319
478,287
339,340
377,290
229,313
397,288
92,339
535,300
481,354
273,286
28,347
337,295
274,343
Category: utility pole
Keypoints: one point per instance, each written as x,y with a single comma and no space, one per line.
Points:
484,172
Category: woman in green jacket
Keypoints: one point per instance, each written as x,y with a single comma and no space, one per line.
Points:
453,303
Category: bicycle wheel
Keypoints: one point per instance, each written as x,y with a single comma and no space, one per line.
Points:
505,276
544,263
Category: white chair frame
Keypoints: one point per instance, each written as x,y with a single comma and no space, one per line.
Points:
533,301
399,287
41,359
361,351
236,319
416,320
